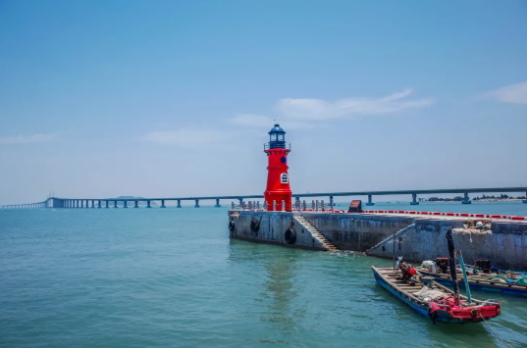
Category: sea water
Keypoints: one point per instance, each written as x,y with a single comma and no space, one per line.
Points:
173,278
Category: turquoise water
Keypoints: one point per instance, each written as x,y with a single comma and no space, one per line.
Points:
172,278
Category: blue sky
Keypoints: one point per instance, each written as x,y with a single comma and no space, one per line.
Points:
174,98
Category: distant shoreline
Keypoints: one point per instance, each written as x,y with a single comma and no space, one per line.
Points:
479,200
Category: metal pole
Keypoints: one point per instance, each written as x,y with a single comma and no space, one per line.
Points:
465,276
393,252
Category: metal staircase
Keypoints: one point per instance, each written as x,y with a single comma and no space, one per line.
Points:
315,233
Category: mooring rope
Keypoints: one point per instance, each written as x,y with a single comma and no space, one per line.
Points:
490,327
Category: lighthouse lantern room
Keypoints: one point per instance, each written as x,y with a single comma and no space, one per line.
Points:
278,191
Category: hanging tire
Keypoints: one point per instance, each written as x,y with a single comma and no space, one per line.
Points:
290,236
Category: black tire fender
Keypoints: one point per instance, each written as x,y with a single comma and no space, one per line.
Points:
290,236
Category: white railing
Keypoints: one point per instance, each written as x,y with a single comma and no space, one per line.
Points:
297,206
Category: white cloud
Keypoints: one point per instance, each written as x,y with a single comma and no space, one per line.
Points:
318,109
182,137
516,93
259,121
28,139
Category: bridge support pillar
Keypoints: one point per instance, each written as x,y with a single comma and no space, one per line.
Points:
414,199
107,204
466,199
525,201
179,203
136,204
197,204
125,204
217,203
241,202
148,205
100,206
115,204
93,204
163,203
370,202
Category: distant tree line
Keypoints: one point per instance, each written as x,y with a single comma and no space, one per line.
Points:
459,198
502,196
437,199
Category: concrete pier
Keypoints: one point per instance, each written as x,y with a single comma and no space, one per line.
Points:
370,201
197,204
107,204
136,204
217,203
417,237
115,204
125,204
179,203
414,199
163,203
148,205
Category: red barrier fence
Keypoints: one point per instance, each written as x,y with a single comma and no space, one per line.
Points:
483,216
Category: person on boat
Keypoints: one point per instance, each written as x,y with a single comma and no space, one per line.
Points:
408,271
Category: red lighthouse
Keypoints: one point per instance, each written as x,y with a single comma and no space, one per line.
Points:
278,189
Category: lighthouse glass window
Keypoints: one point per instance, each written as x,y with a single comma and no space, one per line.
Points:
283,178
281,137
273,137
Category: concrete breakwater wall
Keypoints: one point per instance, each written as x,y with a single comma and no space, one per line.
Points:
417,238
505,245
272,228
357,232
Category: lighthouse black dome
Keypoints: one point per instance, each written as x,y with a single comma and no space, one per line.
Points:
277,138
277,129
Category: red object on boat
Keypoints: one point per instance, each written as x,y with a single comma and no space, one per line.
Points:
450,305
